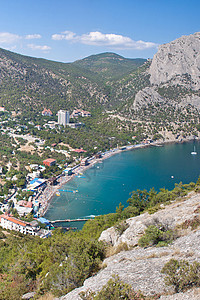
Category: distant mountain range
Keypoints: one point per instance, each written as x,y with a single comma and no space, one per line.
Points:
132,88
109,65
26,81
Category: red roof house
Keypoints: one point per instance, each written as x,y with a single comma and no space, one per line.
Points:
47,112
49,162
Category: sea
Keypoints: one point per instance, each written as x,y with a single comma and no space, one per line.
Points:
100,189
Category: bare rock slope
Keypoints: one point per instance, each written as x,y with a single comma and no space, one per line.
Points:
176,59
141,267
175,66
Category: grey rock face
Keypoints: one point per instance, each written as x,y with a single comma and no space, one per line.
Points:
176,64
146,96
177,59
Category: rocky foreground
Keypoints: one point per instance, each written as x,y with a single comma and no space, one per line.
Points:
140,267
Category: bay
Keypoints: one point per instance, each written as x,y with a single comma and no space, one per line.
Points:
106,184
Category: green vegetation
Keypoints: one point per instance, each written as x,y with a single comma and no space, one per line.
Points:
161,236
109,65
62,262
182,275
106,85
114,289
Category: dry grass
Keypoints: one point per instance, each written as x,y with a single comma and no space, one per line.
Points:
177,252
48,296
110,251
102,265
157,255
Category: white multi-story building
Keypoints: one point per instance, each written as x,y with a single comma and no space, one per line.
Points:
63,117
12,223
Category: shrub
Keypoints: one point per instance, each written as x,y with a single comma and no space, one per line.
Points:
181,274
121,227
193,223
112,290
156,236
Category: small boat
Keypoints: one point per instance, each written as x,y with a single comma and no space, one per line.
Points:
57,194
194,152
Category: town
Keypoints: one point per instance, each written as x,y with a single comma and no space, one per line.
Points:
23,205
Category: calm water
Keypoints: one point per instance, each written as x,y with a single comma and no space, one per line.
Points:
106,184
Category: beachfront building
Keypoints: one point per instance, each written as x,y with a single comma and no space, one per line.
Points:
12,223
98,155
68,171
84,162
49,162
63,117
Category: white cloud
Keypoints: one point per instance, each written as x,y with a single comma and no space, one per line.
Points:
97,38
66,35
32,36
39,47
8,38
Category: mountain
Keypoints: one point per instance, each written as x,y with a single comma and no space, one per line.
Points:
166,95
26,81
110,65
174,74
178,60
30,82
159,98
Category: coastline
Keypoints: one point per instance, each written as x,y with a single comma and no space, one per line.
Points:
50,191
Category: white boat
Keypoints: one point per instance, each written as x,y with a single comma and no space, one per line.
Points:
194,152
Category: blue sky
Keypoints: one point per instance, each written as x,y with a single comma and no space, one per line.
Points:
65,31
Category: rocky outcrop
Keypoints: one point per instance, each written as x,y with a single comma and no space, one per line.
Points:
178,59
175,67
141,268
145,97
172,216
194,100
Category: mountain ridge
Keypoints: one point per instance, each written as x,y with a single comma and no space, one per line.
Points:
164,98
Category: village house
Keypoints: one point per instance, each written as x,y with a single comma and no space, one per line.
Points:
47,112
80,113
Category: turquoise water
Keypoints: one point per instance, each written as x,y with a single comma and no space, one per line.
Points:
106,184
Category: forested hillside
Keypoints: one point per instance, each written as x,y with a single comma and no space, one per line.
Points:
123,93
31,83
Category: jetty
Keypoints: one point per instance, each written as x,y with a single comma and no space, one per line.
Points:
70,220
68,191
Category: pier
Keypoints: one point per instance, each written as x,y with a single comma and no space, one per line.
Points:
70,220
68,191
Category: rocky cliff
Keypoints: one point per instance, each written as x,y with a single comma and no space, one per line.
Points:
174,75
141,267
177,61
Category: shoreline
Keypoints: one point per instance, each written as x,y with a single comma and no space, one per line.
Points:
50,191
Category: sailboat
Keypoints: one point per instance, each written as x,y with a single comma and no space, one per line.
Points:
194,152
